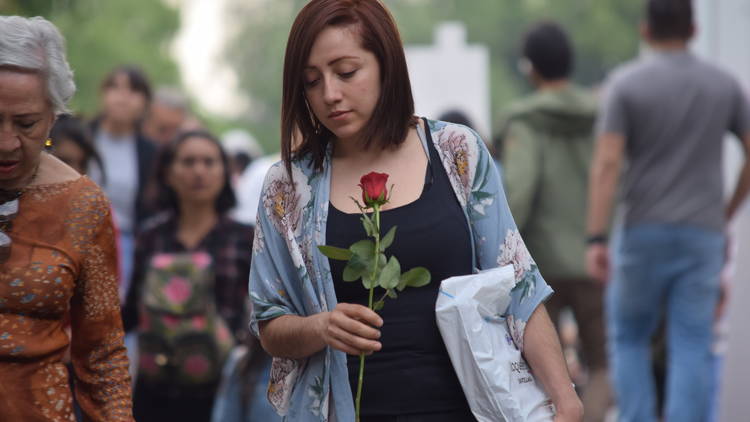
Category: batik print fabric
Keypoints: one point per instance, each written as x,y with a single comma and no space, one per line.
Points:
62,268
290,277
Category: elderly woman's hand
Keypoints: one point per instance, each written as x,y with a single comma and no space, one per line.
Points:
351,329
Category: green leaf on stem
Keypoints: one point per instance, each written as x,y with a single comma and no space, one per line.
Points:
364,249
368,282
387,240
354,269
333,252
378,305
368,225
389,277
416,277
391,293
382,261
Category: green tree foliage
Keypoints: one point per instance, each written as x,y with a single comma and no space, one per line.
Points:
604,33
256,52
103,34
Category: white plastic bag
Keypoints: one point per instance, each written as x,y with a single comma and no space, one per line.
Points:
494,376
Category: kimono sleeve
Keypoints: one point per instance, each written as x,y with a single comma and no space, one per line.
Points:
498,242
273,275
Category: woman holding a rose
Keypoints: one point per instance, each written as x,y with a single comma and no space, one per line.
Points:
348,109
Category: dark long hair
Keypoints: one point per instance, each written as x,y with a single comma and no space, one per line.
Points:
74,129
136,78
167,197
394,111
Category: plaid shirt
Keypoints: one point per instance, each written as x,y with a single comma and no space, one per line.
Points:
230,245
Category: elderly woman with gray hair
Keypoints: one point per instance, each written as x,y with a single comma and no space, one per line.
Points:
57,249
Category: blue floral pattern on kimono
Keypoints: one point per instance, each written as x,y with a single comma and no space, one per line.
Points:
290,276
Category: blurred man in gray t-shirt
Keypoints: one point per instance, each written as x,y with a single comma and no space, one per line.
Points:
663,120
673,109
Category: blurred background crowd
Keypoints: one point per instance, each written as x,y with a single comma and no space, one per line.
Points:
177,116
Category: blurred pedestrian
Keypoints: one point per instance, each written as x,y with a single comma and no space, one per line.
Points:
347,110
249,187
57,250
242,149
242,395
546,144
189,283
666,114
127,155
166,115
72,143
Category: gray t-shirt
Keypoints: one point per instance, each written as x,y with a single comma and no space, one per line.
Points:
673,110
120,158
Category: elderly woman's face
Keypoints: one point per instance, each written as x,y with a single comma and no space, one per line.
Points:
26,118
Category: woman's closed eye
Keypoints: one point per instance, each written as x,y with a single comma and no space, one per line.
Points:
27,125
347,75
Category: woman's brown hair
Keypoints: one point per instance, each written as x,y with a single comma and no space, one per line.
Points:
394,112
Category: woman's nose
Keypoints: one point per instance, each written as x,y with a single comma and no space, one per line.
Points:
9,140
331,91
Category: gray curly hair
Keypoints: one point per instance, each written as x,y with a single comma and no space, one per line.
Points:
36,44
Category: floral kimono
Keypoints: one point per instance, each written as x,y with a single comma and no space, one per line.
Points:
290,276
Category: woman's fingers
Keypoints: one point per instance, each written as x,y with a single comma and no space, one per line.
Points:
352,344
361,313
350,329
343,347
354,325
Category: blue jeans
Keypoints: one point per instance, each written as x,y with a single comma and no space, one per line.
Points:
669,271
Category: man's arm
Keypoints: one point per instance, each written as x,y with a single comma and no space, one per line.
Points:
543,353
603,180
743,184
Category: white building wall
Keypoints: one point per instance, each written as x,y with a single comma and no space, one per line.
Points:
723,37
451,75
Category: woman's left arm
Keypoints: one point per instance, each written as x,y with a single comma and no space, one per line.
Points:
545,357
97,350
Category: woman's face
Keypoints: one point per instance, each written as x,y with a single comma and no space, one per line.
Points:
71,154
121,103
342,82
197,172
26,118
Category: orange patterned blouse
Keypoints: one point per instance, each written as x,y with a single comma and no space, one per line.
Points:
62,268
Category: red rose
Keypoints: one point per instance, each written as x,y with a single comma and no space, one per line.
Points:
373,187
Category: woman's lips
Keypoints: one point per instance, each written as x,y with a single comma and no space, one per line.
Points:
338,115
8,166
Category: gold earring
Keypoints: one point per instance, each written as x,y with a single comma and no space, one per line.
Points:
48,143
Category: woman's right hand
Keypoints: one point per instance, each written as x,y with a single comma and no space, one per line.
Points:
351,329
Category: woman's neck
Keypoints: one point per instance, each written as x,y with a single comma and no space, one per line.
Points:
195,222
354,150
116,128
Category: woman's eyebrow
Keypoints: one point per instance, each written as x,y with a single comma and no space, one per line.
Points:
332,62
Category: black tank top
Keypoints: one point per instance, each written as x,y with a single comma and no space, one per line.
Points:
412,373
